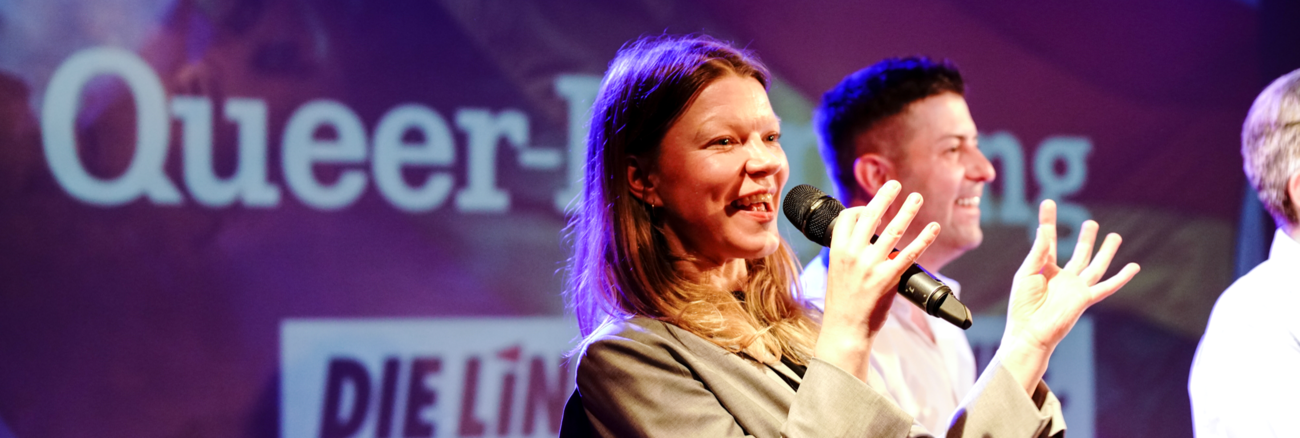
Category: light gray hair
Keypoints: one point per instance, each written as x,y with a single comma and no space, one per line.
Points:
1270,145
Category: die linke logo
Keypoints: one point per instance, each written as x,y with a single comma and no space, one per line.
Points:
544,395
434,378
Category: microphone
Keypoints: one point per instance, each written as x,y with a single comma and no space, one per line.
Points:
814,213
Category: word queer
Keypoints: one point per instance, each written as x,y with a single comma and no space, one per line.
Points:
389,150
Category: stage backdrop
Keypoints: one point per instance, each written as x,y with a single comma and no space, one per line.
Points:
344,218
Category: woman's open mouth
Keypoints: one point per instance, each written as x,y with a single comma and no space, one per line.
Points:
761,202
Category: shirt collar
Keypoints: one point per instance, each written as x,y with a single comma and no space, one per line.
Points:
1284,247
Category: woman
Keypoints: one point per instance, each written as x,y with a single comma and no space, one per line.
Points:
682,284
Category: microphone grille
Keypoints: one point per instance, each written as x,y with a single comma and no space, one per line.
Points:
814,224
819,221
798,201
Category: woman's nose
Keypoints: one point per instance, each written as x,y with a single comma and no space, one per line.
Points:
764,159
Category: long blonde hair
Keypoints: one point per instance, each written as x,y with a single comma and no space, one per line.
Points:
621,265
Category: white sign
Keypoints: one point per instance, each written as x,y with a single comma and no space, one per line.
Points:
501,377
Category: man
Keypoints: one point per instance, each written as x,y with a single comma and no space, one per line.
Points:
907,120
1245,380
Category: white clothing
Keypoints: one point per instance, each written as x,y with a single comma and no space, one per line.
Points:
928,379
1245,379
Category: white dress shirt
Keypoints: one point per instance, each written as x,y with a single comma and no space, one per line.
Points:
927,378
1245,380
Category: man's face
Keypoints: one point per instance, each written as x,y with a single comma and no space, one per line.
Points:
941,160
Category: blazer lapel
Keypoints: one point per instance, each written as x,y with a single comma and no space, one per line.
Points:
754,393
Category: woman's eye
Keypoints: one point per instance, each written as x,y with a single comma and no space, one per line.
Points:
773,137
724,142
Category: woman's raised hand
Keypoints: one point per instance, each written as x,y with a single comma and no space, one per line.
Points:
1047,300
862,277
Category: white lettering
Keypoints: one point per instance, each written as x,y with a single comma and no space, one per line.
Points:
322,147
302,150
144,176
1072,152
249,182
392,153
1013,208
482,194
250,116
579,92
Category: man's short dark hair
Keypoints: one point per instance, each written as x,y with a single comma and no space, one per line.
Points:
870,96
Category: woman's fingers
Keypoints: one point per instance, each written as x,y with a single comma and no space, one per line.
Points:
869,220
1093,273
842,233
1037,256
1083,249
1102,290
1040,254
893,232
918,245
856,227
1047,230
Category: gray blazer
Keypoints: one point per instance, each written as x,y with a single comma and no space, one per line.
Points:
643,377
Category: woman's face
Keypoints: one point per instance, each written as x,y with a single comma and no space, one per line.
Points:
719,173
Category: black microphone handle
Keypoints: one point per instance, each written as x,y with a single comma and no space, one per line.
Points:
921,288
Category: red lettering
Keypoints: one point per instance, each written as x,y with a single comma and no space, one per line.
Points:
541,394
507,389
503,409
469,424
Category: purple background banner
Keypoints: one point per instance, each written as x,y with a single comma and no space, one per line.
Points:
178,178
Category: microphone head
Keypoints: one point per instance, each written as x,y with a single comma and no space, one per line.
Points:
798,201
812,212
